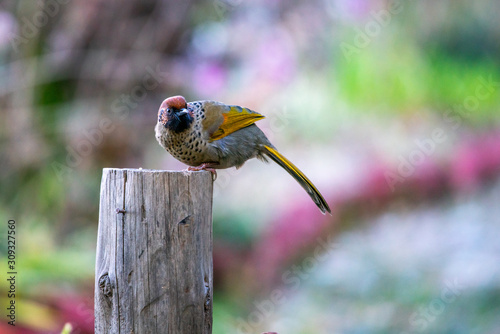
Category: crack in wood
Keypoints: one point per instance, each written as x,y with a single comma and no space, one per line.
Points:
184,221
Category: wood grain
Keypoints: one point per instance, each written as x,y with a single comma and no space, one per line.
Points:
154,252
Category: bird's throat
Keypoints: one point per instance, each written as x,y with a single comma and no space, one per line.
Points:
179,124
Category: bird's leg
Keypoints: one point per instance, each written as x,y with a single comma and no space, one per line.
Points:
208,166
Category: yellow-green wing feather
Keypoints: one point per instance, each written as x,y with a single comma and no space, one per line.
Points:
234,119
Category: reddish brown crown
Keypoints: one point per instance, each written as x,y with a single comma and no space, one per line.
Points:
177,102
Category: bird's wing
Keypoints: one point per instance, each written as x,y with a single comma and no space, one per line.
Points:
222,120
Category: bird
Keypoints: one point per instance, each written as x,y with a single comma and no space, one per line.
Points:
210,135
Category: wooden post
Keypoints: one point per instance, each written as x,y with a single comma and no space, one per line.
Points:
154,252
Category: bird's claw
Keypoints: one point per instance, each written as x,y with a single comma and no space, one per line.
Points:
204,167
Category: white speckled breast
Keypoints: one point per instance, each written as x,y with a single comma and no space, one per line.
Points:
190,146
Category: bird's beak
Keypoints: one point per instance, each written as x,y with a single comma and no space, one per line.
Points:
185,111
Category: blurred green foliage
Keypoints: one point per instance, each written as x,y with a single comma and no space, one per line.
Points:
403,78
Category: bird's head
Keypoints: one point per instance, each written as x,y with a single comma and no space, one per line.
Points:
174,115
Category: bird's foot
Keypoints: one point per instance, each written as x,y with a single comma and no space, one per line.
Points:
205,166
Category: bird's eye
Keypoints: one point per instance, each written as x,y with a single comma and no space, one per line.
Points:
169,111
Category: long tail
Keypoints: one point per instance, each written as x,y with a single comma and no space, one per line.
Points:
299,176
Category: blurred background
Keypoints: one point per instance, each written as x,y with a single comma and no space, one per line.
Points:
391,107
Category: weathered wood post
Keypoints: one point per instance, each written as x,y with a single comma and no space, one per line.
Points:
154,252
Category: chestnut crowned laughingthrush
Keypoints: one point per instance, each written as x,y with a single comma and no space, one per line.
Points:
211,135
